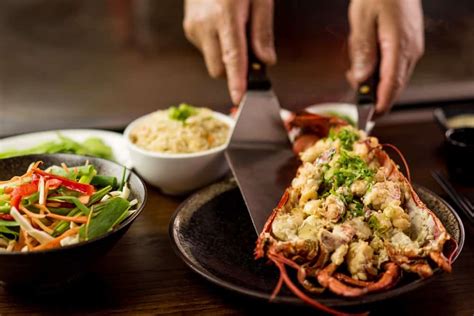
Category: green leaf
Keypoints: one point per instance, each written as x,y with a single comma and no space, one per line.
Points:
104,181
9,223
5,208
33,198
92,146
96,147
84,209
112,210
60,210
97,196
122,181
4,230
374,223
62,226
88,172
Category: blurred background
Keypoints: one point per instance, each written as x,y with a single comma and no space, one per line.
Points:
91,63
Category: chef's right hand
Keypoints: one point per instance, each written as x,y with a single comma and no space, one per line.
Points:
218,29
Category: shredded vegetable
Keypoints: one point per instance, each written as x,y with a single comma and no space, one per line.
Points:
60,206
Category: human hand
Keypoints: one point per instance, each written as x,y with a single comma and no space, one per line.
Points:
218,29
395,27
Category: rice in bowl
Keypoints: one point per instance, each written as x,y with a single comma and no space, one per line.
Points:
183,129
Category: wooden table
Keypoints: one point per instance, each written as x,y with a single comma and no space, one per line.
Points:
142,275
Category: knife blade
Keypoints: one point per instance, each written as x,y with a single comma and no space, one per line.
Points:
366,98
259,150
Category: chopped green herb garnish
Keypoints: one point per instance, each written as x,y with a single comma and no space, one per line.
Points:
182,112
346,136
374,223
348,169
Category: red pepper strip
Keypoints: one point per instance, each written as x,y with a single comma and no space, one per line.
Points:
53,184
8,190
6,217
21,191
86,189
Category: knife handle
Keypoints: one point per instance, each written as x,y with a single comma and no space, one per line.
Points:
257,75
367,90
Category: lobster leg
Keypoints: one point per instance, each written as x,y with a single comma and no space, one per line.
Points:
421,268
326,279
322,259
388,279
303,296
303,274
441,261
347,279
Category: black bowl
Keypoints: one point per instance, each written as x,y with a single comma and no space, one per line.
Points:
459,146
56,267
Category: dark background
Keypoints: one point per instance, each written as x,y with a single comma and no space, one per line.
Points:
90,63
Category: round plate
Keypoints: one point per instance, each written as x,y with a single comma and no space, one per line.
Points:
114,140
212,232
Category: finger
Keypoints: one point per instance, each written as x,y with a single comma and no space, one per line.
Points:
262,31
394,70
362,42
234,54
211,50
400,33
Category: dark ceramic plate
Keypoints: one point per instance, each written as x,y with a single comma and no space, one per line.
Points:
212,232
55,267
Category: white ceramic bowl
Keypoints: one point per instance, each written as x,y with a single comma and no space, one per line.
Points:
177,174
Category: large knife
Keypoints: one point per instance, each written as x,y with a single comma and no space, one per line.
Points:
259,151
366,98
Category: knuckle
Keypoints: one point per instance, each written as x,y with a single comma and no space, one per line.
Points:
216,72
231,56
188,26
215,68
193,25
264,38
360,46
397,82
419,50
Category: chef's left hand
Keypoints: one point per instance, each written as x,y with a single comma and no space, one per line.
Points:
396,27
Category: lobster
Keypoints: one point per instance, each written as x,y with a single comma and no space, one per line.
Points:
317,261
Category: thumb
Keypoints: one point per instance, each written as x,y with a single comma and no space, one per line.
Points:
262,31
362,42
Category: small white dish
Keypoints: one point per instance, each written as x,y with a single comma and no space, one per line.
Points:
177,174
113,140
